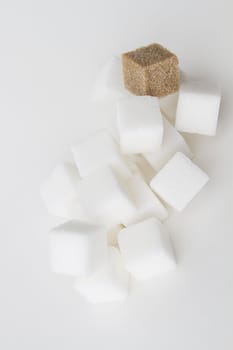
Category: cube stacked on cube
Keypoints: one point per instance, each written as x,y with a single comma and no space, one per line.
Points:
151,70
118,195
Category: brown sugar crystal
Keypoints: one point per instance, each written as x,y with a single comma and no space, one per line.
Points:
151,70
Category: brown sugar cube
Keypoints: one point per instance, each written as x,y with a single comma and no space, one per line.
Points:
151,70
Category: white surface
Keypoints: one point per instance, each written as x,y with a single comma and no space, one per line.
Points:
140,124
109,283
77,248
50,53
146,249
198,108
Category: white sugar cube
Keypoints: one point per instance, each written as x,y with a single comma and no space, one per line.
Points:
77,248
108,284
147,202
198,108
173,142
98,150
112,234
106,198
168,105
179,181
109,84
59,192
146,249
139,123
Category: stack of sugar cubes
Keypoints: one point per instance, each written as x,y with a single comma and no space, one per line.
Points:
115,196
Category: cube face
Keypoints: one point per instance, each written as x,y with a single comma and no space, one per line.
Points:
59,192
140,124
108,284
109,84
135,79
151,70
77,248
173,142
147,203
163,78
168,105
146,249
105,198
179,181
98,150
198,108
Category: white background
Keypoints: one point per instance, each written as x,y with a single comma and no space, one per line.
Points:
50,51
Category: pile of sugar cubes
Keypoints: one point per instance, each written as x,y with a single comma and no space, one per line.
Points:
115,196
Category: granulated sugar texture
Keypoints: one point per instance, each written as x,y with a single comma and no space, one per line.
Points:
151,70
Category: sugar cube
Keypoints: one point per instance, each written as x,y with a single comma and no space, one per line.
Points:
106,198
108,284
198,108
179,181
98,150
77,248
151,70
59,192
140,124
146,249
